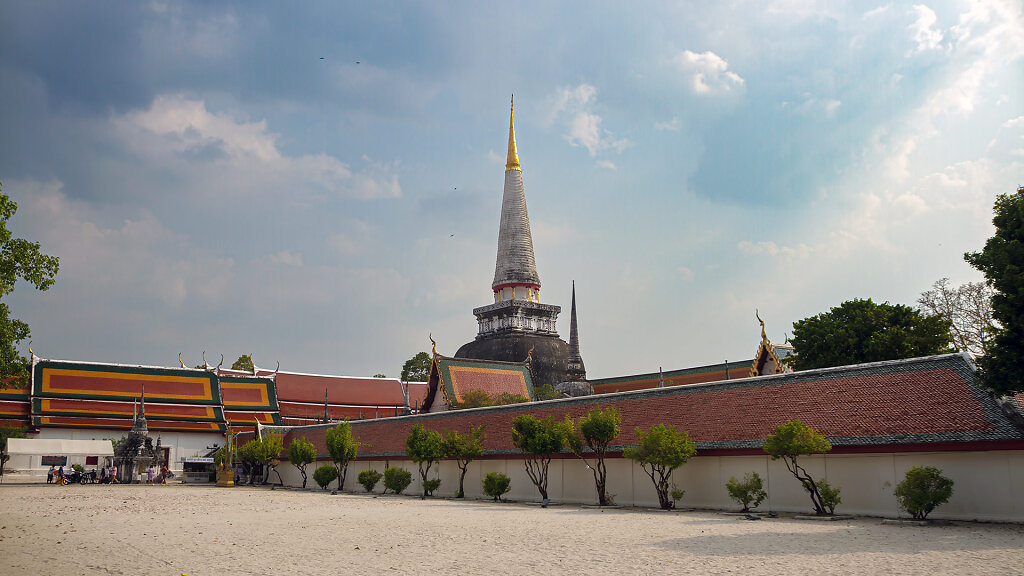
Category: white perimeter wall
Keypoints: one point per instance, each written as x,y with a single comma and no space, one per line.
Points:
182,444
988,485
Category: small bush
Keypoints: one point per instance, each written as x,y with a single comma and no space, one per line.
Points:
749,492
922,490
397,479
78,468
496,484
430,485
368,479
324,475
677,495
829,496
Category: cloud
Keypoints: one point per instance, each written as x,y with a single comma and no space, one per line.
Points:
584,126
241,156
673,125
285,258
708,73
927,38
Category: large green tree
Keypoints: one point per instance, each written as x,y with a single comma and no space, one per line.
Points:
417,368
861,331
244,363
1002,263
19,259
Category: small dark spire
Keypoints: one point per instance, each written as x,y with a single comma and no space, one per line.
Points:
575,371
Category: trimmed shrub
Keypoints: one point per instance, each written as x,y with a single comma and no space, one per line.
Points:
749,492
397,479
829,496
369,478
496,484
922,490
430,485
324,475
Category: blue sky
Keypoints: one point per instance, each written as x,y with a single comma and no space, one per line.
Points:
320,183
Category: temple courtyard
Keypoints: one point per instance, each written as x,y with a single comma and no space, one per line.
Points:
176,530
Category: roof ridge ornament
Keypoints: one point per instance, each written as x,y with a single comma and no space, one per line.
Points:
512,160
433,344
180,361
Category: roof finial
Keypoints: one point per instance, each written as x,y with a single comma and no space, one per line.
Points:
512,161
180,361
433,344
758,314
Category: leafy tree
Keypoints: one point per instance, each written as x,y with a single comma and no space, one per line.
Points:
464,448
861,331
429,486
496,484
249,455
425,448
547,392
269,454
967,308
368,479
829,496
19,259
922,490
539,440
1002,263
380,375
476,399
509,398
300,453
749,492
324,475
397,479
342,449
659,451
244,363
417,368
792,440
596,430
5,433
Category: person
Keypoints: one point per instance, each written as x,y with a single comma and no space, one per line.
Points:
49,475
113,475
103,475
60,472
149,475
163,474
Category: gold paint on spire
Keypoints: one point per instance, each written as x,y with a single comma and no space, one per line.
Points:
512,162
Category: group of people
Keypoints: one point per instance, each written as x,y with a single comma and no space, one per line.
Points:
108,475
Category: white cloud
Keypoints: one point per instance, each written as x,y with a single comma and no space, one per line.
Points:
927,38
285,258
235,155
673,125
584,126
608,164
708,73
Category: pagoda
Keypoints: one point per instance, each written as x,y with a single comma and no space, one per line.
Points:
517,322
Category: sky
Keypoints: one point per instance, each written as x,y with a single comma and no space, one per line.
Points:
319,183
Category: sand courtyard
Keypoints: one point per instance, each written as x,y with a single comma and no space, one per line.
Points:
175,529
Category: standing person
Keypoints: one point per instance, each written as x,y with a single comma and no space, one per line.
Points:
49,475
113,475
149,475
60,472
163,474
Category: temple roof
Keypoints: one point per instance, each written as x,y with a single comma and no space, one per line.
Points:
455,377
515,263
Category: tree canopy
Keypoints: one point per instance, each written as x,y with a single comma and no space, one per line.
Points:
424,447
342,449
464,448
792,440
859,331
539,440
243,363
1002,263
19,259
596,430
967,308
417,368
659,451
300,453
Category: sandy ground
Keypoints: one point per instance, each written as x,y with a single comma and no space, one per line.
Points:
156,530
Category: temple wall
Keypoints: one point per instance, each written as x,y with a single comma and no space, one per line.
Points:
181,444
987,483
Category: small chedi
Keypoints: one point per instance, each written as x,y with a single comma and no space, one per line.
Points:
136,451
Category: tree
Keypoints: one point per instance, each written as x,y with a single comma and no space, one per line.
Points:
539,440
659,451
496,484
19,259
1002,263
269,453
547,392
342,449
5,433
748,491
300,453
324,475
243,364
396,479
369,478
379,375
922,490
861,331
596,430
248,455
464,448
424,447
479,399
417,368
794,439
967,308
